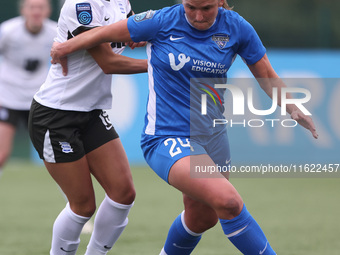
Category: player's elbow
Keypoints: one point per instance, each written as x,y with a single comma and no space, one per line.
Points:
111,66
107,70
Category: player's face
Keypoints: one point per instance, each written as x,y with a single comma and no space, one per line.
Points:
35,11
201,13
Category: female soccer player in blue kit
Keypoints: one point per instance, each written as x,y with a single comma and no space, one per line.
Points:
182,39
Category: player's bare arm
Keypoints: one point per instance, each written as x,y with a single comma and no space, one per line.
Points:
116,32
108,61
268,79
112,63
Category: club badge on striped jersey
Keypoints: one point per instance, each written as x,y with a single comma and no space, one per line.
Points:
84,13
221,40
121,7
66,147
106,120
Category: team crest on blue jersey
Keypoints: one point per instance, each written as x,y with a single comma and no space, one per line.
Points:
84,13
221,40
144,16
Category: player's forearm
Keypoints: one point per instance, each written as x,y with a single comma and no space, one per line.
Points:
82,41
269,84
116,32
268,79
125,65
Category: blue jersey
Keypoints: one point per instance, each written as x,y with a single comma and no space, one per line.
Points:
185,62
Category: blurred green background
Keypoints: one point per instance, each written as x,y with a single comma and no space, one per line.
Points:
299,216
280,23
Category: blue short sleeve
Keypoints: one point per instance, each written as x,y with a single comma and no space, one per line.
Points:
251,48
144,26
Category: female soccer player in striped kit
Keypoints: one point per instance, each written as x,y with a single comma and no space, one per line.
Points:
181,39
25,44
75,137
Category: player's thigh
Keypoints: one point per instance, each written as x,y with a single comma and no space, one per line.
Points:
162,152
215,190
110,166
107,158
74,179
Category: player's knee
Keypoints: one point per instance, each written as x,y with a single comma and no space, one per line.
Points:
90,210
129,196
199,217
86,208
206,223
125,195
228,207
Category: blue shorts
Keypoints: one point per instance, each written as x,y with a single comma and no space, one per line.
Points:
161,152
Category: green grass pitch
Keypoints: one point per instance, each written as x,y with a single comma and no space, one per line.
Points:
299,216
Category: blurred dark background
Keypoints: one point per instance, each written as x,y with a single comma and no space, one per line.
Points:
280,24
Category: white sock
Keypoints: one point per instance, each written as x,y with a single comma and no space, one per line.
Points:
66,232
110,221
163,252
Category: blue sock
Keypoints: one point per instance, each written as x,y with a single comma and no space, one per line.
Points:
246,235
180,240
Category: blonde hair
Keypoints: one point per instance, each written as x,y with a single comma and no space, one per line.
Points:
226,5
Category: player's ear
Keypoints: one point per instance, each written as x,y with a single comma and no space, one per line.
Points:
220,3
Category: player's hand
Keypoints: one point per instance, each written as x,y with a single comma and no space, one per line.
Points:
305,121
133,45
56,59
